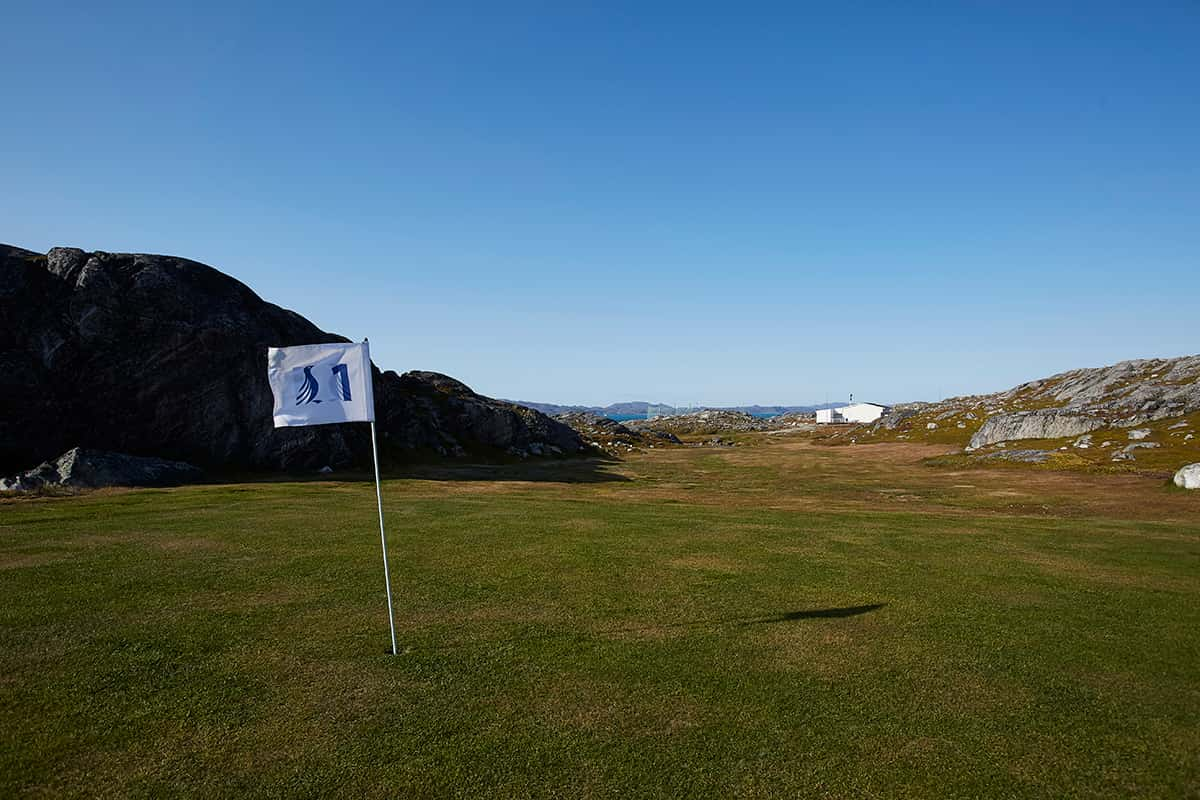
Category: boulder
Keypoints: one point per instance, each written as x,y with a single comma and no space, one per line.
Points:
81,468
1138,433
1041,424
1188,477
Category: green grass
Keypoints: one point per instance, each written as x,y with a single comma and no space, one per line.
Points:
764,621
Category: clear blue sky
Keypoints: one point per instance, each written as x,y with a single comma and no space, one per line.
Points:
682,202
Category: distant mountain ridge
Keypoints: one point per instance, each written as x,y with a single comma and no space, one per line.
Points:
643,407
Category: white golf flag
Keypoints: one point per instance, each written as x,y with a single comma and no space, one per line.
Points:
320,384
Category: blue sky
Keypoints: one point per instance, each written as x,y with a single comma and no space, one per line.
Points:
722,204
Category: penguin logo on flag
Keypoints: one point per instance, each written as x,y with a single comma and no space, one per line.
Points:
308,388
309,391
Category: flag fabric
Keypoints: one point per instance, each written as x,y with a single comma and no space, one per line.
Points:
321,384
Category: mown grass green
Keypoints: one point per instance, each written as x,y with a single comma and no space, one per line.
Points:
761,621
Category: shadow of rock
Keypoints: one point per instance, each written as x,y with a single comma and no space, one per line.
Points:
566,470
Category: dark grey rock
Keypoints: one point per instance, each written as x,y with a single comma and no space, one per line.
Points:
160,356
80,468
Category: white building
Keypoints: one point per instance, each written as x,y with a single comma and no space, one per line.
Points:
827,415
855,412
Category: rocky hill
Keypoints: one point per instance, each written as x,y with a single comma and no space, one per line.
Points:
161,356
611,436
1145,411
703,423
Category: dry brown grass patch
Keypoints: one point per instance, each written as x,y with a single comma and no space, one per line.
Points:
709,563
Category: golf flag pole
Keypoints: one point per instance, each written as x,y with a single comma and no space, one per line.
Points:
387,578
325,384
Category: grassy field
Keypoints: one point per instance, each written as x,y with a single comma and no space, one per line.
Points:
773,620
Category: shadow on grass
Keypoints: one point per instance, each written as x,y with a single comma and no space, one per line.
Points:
816,613
790,616
705,624
567,470
564,470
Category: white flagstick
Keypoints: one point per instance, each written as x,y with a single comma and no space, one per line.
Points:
387,581
344,370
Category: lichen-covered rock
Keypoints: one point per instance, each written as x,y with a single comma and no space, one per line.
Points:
1024,456
1131,392
1127,395
899,413
1188,477
1041,424
80,468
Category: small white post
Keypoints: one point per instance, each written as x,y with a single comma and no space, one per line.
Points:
387,580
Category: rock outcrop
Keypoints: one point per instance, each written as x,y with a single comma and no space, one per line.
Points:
431,412
79,468
161,356
1050,423
611,436
710,421
898,415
